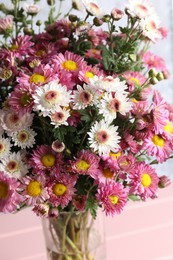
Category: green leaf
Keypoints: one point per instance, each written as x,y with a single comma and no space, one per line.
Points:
134,197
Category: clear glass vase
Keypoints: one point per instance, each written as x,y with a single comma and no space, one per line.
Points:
74,236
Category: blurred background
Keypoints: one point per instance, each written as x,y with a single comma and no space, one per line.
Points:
144,231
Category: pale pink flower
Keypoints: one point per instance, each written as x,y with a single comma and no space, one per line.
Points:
154,61
134,79
6,24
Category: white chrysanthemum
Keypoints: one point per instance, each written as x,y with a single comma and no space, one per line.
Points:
110,84
151,28
14,166
32,9
77,4
93,8
50,97
24,138
139,8
60,117
5,146
110,105
85,96
103,138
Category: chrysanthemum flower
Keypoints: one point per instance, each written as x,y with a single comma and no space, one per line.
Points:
60,117
154,61
32,9
9,198
61,190
93,8
86,162
103,137
50,97
139,8
6,24
110,105
79,201
85,96
24,138
14,166
134,79
33,190
88,73
112,196
157,145
5,147
144,181
44,158
41,210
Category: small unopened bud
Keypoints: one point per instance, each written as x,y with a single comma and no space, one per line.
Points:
160,76
39,22
166,74
117,14
73,18
154,81
58,146
53,213
106,18
164,181
28,31
51,2
152,73
97,21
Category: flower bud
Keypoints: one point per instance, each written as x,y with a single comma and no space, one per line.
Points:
58,146
39,22
152,73
117,14
28,31
73,18
164,181
154,81
106,18
160,76
166,74
97,21
51,2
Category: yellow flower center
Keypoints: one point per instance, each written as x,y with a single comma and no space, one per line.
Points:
48,160
82,165
158,140
40,53
3,190
23,136
115,155
134,100
168,127
146,180
114,199
59,189
135,80
37,78
89,74
25,99
34,188
108,173
69,65
13,47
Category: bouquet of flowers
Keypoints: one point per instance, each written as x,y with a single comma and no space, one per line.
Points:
81,122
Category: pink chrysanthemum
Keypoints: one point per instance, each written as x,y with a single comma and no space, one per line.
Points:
61,189
157,145
159,111
140,108
79,201
44,158
9,198
112,196
61,28
134,79
33,190
21,99
41,75
144,181
88,72
6,24
86,163
154,61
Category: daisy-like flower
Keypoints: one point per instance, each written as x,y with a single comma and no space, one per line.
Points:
86,163
110,105
14,166
157,145
6,24
60,117
79,201
112,196
32,9
139,8
103,138
143,181
44,158
11,121
134,79
151,28
50,97
33,190
61,190
9,198
110,84
58,146
93,8
24,138
5,147
85,96
41,210
154,61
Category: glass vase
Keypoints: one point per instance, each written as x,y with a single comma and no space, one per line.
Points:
74,236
